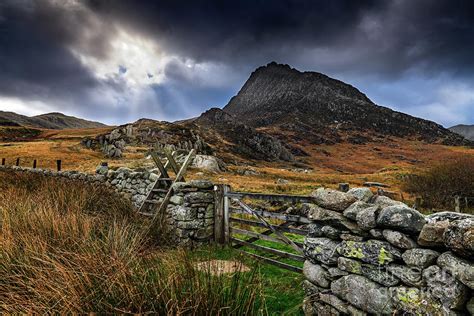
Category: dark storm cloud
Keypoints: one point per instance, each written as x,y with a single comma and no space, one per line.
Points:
213,46
385,36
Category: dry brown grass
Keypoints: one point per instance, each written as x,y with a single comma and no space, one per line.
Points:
66,247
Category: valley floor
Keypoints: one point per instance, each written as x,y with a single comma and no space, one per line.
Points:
326,165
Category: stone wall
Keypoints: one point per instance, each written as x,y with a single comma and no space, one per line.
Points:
369,254
190,213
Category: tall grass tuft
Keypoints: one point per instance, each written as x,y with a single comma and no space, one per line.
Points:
68,247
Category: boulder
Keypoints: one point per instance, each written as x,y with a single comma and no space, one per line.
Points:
207,163
459,237
335,302
385,201
442,286
401,217
332,218
363,294
316,274
409,275
432,234
373,273
102,169
311,289
470,306
315,230
333,199
376,233
199,197
398,239
321,250
331,232
447,216
412,301
356,207
420,258
362,194
461,269
372,251
367,218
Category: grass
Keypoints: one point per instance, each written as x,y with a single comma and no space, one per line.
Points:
66,247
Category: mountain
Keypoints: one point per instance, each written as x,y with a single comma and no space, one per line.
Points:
312,107
49,120
465,130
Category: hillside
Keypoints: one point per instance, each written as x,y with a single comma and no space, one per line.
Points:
465,130
280,98
49,121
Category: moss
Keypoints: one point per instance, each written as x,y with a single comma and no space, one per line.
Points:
384,256
354,250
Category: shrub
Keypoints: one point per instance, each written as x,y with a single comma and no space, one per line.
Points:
67,247
440,184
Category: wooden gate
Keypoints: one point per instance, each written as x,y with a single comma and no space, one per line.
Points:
263,232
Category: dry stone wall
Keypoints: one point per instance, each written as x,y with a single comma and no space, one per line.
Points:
369,254
190,213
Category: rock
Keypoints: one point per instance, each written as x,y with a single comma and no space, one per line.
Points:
334,301
447,216
470,306
321,250
367,218
331,232
336,272
412,301
333,199
356,207
346,236
177,200
311,289
459,237
408,275
316,274
373,273
315,230
282,181
102,169
199,197
332,218
362,194
180,213
363,293
376,233
207,163
398,239
385,201
401,217
432,234
324,309
420,258
372,251
442,286
461,269
193,184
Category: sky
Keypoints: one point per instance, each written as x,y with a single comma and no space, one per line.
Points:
116,61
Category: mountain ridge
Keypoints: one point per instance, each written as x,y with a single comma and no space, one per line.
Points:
464,130
53,120
328,110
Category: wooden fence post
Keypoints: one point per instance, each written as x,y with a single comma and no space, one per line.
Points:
226,215
457,204
3,161
17,162
219,214
34,164
58,164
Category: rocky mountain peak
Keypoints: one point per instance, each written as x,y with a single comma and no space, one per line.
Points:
325,109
